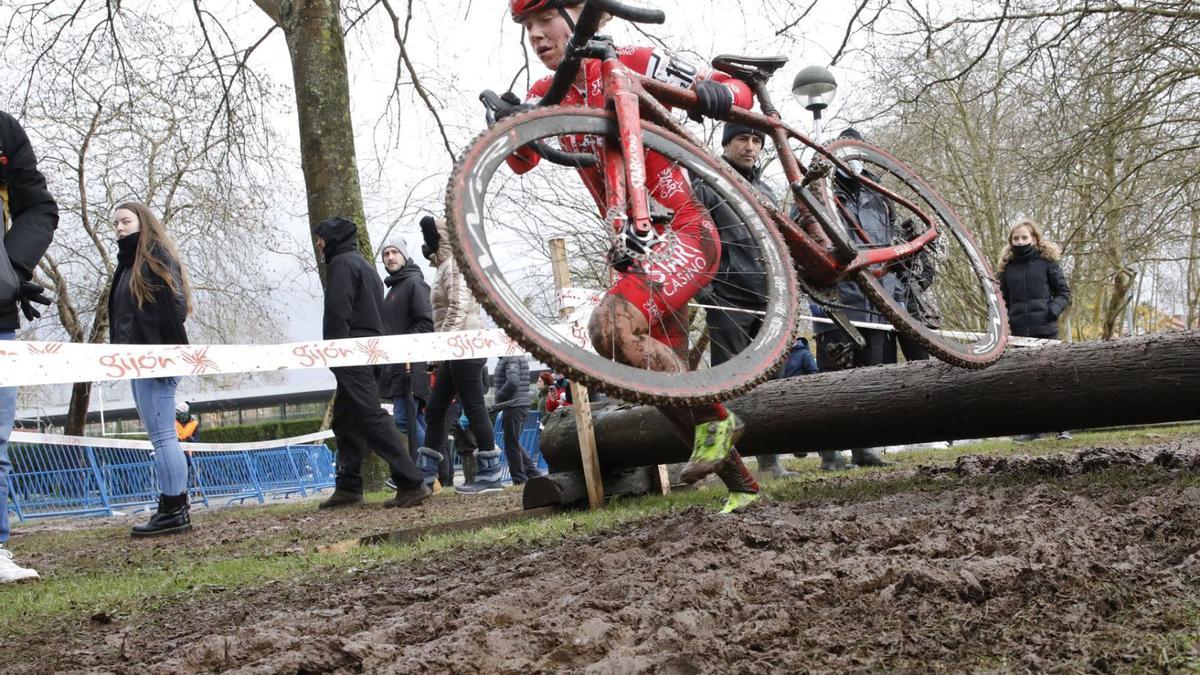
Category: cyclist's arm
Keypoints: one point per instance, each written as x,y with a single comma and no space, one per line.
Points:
525,159
670,69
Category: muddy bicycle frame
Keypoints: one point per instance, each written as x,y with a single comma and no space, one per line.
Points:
632,95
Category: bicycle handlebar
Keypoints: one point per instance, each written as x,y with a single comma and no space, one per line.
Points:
492,102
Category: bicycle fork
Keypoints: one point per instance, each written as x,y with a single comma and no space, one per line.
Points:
629,130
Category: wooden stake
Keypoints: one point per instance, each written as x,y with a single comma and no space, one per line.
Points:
581,406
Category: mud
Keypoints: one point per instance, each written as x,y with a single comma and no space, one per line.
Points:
1077,563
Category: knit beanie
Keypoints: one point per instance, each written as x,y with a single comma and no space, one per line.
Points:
397,242
732,131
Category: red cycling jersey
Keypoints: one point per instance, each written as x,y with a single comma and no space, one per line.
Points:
666,286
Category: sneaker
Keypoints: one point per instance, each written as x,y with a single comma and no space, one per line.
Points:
738,500
1064,436
390,483
480,486
713,443
408,497
11,571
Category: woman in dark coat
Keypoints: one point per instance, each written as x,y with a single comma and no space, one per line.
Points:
148,301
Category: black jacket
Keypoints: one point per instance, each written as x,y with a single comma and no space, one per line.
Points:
159,321
1036,292
33,210
511,379
353,291
739,281
877,219
406,311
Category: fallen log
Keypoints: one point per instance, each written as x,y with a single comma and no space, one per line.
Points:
1142,380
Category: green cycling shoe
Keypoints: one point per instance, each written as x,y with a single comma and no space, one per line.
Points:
712,446
737,500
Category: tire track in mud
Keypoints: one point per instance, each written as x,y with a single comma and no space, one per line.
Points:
1004,566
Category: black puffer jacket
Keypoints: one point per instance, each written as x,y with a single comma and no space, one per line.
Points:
33,210
406,311
353,291
511,379
1036,292
739,281
158,321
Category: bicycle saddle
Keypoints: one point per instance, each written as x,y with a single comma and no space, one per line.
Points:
748,66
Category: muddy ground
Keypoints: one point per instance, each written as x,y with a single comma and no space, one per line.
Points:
1082,562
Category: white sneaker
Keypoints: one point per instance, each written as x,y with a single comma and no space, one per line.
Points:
11,571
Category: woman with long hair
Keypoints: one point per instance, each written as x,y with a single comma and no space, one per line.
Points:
148,301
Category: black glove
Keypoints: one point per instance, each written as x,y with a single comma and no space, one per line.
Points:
714,100
836,355
430,234
513,105
28,294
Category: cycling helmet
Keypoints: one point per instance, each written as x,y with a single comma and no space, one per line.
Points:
520,8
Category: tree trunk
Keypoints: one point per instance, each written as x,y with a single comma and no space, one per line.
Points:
81,396
1141,380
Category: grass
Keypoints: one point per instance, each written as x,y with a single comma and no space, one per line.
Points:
158,577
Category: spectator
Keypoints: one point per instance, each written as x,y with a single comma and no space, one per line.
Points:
547,394
354,308
30,216
1034,288
455,309
914,276
511,378
800,360
740,282
406,311
875,217
187,427
148,302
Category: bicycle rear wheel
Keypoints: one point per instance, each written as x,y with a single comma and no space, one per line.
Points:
501,222
945,297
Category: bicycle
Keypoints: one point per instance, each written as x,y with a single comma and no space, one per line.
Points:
496,229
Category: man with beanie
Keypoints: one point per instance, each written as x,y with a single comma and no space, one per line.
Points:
353,309
29,217
740,283
406,311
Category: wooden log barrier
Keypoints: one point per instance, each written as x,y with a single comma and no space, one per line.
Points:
1142,380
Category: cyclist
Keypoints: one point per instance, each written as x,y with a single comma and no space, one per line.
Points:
641,321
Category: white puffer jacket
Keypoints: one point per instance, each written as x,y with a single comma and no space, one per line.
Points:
454,307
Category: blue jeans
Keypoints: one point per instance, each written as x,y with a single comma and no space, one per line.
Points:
400,412
155,401
8,412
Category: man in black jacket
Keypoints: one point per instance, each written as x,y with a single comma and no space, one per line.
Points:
740,283
511,379
406,311
354,308
30,216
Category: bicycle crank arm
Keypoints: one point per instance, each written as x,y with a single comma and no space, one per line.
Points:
839,317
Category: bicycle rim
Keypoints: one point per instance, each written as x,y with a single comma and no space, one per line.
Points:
501,221
946,298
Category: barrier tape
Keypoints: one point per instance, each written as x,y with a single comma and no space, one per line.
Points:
41,363
106,442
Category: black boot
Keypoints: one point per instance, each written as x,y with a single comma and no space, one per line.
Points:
341,498
172,517
407,497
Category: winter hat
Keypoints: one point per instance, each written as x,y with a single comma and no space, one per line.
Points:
397,242
335,230
182,407
851,132
732,131
431,235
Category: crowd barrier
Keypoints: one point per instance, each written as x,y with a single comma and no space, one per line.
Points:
59,476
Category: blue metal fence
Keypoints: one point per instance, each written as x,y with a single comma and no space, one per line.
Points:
62,476
530,439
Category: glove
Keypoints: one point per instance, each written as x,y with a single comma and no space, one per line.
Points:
714,100
28,294
837,355
513,106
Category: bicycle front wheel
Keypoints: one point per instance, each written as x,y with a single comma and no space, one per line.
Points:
946,296
501,223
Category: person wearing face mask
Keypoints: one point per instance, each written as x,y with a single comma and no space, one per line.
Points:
148,301
1034,287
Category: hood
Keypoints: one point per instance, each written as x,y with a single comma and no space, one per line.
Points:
340,235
